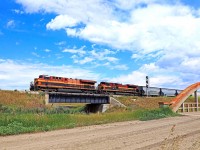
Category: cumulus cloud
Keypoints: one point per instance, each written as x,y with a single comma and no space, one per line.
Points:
18,75
158,77
163,32
148,28
61,21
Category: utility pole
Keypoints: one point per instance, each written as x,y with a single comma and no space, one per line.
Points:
147,85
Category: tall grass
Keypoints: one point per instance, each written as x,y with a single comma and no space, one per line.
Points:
40,110
24,113
18,99
143,102
24,123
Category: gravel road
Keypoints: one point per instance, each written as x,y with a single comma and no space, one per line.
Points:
165,134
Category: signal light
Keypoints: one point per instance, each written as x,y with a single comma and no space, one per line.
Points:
147,81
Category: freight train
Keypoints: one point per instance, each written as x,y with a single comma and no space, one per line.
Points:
62,84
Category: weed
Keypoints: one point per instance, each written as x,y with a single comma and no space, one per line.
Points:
155,114
32,122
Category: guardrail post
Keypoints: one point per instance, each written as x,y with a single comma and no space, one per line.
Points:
196,99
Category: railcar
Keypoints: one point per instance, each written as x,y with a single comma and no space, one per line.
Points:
62,84
53,83
118,88
152,91
169,92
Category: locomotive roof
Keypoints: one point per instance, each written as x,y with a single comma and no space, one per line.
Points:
89,81
131,85
83,80
111,83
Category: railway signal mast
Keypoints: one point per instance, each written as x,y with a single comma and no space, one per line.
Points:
147,85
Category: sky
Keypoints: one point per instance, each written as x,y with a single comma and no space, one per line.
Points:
119,41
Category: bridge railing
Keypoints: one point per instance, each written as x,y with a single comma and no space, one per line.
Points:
189,107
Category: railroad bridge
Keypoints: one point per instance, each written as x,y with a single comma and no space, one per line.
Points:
95,102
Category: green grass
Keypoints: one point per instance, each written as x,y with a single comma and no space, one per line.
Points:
155,114
29,122
26,113
39,110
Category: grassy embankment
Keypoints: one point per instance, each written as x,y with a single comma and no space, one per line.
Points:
24,113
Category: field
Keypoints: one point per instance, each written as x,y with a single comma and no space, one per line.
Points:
22,112
21,99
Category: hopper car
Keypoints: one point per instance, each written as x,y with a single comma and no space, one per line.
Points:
155,91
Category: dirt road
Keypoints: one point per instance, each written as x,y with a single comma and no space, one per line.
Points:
169,133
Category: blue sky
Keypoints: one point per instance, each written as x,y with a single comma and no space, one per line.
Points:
119,41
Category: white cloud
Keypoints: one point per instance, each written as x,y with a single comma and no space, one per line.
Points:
96,57
154,27
111,59
61,21
158,77
10,24
59,56
18,75
84,61
79,51
47,50
17,11
136,77
119,67
35,54
61,43
166,33
103,55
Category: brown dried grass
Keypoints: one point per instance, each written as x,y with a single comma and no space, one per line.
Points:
19,99
143,102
